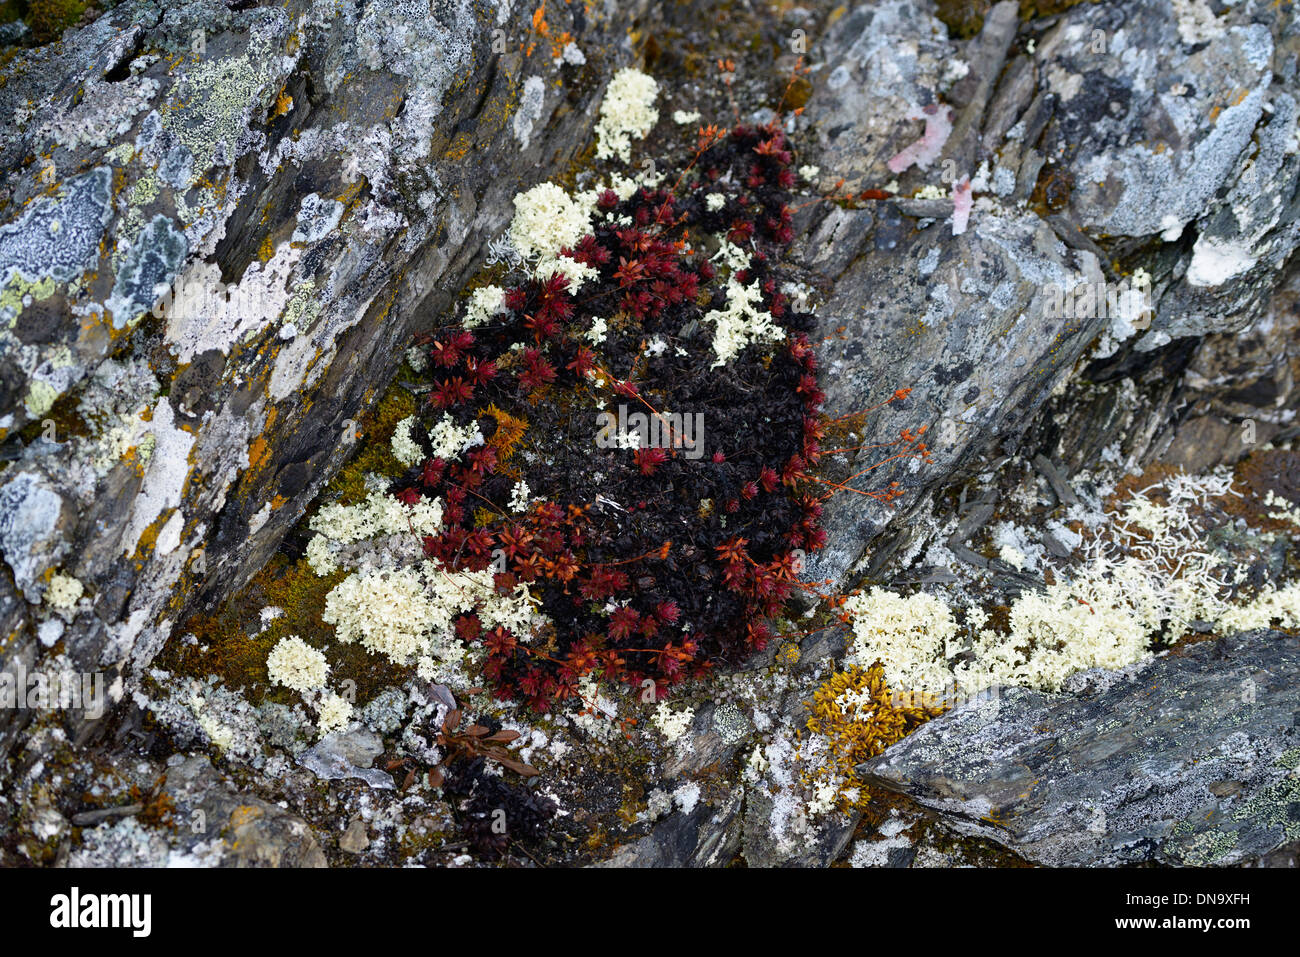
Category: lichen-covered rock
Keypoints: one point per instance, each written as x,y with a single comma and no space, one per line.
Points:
1115,141
211,825
1190,759
707,836
1177,125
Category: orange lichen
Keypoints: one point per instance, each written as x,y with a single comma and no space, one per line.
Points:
859,716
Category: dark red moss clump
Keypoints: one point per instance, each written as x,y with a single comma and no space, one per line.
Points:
662,562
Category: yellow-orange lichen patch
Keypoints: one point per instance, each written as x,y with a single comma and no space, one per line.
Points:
859,716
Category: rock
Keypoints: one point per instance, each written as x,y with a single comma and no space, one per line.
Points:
907,836
220,224
708,836
252,832
1144,127
1177,129
1187,760
814,843
91,818
347,755
210,824
355,839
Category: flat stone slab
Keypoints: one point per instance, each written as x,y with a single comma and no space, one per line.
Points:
1188,759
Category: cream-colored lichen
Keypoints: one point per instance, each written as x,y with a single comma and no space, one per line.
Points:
670,723
333,712
1282,509
546,221
407,613
741,323
380,514
450,441
405,449
1146,572
1272,607
913,637
627,111
297,665
63,591
483,303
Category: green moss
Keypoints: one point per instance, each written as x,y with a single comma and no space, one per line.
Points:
375,452
49,18
232,646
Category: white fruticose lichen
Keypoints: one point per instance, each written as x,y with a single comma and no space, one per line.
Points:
1055,633
63,591
547,220
405,449
596,334
627,111
1012,556
380,514
450,441
1148,574
389,611
741,323
320,556
672,724
912,637
484,303
575,272
1271,608
1283,509
520,497
333,712
297,665
407,613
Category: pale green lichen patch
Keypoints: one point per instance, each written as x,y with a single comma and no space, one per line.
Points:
18,292
40,398
1277,806
1208,848
214,99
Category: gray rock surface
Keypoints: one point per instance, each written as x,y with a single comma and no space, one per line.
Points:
347,755
708,836
212,825
1190,759
1167,143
